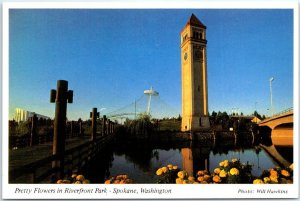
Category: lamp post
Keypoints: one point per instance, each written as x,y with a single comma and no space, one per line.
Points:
271,98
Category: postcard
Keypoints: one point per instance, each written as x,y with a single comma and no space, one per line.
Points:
140,100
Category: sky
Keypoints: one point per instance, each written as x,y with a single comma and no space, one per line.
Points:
110,56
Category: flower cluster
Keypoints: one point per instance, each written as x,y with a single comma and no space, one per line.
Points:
167,174
120,179
232,172
204,177
74,179
184,178
276,176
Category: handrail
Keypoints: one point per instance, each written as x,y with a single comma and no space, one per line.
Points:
31,168
278,114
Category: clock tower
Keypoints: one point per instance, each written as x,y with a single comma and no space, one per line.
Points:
194,76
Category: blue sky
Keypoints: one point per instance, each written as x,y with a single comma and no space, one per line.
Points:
110,56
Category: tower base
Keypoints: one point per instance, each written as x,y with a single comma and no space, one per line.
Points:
193,123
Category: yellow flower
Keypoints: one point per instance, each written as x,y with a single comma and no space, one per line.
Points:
165,169
200,173
274,179
206,177
221,164
292,166
190,178
201,178
74,176
60,181
223,173
80,178
182,174
234,160
174,167
216,179
267,179
273,173
234,171
179,181
107,182
170,166
195,182
117,181
285,173
217,170
258,181
226,163
159,172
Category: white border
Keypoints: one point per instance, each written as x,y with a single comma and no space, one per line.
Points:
179,191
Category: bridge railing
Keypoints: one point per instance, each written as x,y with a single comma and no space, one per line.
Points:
280,113
283,112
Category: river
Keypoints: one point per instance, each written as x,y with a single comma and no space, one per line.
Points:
140,160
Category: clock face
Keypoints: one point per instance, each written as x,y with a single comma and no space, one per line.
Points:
185,56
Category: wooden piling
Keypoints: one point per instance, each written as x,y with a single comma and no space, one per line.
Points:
62,96
94,115
104,125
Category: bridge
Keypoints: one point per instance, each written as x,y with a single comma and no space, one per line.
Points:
159,109
281,126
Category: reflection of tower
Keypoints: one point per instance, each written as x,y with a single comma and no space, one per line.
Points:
194,159
194,76
150,92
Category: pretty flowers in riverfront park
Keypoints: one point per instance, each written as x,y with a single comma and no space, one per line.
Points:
217,170
223,173
167,174
285,173
217,179
74,179
277,175
234,171
119,179
258,181
159,172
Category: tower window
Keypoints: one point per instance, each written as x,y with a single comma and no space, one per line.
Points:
195,34
201,35
184,37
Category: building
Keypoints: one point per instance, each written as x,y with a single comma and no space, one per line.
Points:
24,115
194,76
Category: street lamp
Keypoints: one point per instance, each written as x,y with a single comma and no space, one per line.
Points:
271,107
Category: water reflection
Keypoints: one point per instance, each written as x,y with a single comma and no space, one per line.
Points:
141,159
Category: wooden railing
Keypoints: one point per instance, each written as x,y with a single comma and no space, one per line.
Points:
21,141
75,158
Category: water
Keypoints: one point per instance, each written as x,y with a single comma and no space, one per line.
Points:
141,160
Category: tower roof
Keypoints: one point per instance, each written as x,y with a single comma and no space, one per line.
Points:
194,21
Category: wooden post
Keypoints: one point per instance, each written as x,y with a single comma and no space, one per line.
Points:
33,134
80,128
94,115
108,126
104,125
60,96
112,127
71,129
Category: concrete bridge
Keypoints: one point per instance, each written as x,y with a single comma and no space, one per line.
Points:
281,126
